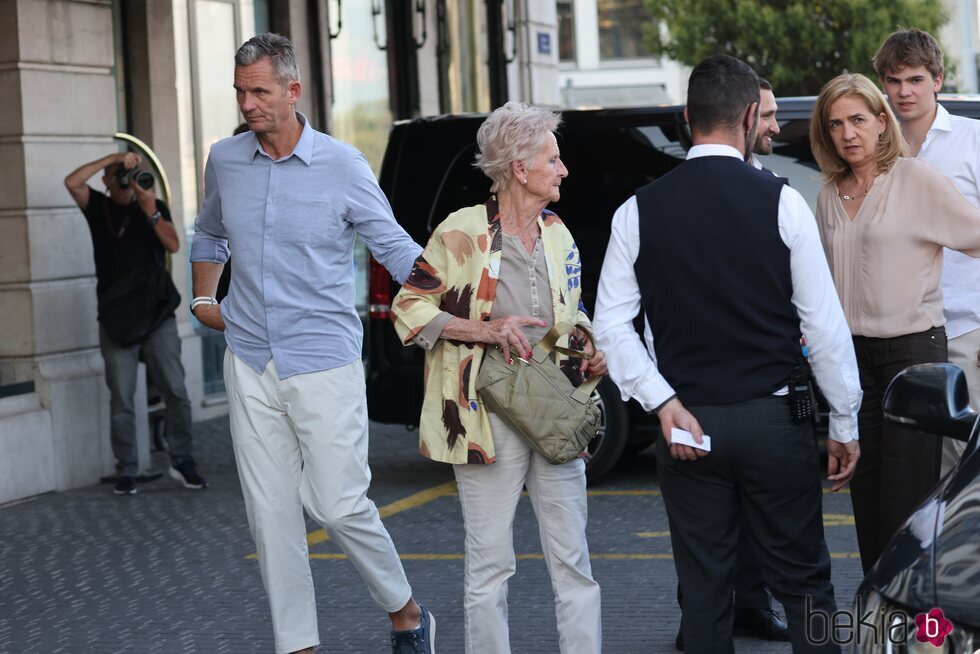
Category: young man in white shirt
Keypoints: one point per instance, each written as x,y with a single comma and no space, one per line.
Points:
910,67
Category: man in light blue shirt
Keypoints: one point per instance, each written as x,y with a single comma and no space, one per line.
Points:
288,200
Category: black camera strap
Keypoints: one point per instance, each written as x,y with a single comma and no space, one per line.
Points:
115,234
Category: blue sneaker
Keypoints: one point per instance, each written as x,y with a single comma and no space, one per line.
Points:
416,641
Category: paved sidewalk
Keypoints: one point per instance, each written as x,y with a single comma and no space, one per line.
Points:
169,570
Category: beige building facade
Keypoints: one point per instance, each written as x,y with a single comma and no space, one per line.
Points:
74,73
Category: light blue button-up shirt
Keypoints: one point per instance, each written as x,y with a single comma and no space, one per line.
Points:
290,224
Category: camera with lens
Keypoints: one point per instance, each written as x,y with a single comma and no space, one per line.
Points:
134,176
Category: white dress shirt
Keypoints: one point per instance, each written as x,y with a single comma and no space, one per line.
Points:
633,366
952,146
757,164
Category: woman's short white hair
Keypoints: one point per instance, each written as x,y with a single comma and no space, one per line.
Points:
513,132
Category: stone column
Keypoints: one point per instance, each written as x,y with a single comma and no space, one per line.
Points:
56,77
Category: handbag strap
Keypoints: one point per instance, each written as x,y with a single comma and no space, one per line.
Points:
546,345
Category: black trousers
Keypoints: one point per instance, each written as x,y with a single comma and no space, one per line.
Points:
763,477
750,587
898,466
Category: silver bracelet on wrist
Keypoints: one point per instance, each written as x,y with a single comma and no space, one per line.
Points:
202,299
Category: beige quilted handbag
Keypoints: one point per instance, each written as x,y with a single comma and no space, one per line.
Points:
538,401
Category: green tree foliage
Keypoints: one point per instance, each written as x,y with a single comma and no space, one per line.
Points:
797,44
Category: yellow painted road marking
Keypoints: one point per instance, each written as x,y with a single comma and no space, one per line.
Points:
656,493
539,557
447,489
623,493
631,557
838,520
522,557
829,520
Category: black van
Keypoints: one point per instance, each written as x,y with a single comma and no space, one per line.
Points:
428,173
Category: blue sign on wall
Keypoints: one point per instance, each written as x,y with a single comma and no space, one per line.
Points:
544,43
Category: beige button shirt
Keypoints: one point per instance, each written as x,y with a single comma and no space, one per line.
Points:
887,261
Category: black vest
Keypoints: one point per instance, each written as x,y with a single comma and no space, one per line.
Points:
715,280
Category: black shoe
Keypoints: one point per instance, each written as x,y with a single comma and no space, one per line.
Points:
764,624
186,474
679,641
125,486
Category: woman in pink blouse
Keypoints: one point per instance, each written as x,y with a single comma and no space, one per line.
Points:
884,219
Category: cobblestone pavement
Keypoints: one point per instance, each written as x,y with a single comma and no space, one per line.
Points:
171,570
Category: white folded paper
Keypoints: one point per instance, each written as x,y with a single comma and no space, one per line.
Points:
684,437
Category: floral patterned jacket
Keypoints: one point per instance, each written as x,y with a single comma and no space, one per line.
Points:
457,273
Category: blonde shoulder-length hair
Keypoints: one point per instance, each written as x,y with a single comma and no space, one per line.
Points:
891,144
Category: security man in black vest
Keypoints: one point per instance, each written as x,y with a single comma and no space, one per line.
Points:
726,264
754,615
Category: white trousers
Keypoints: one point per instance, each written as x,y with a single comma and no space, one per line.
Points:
489,495
964,351
303,442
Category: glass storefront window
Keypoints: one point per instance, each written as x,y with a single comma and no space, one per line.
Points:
185,115
361,110
621,24
207,33
361,113
466,70
215,42
261,16
566,30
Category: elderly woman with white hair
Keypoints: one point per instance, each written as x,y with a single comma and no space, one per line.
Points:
503,273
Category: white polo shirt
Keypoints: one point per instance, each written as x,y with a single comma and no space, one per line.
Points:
952,146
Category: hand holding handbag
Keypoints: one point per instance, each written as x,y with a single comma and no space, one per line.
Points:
538,401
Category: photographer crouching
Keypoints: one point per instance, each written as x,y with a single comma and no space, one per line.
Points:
130,230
